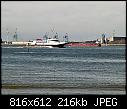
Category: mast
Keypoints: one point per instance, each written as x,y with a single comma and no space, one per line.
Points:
7,34
56,36
15,37
113,34
66,37
45,37
53,35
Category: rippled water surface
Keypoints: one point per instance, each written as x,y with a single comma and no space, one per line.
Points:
87,70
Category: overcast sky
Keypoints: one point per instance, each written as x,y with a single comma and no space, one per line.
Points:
82,20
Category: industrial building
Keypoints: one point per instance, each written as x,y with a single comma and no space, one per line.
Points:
112,39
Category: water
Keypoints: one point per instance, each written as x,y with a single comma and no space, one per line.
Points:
88,70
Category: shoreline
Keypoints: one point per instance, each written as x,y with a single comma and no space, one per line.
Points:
52,89
63,91
53,86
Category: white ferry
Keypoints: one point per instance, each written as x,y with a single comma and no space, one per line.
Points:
53,42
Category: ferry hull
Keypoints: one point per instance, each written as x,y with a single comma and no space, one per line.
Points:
52,46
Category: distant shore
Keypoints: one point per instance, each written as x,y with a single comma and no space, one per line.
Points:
113,44
68,45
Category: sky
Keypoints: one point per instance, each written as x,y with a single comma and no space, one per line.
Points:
82,20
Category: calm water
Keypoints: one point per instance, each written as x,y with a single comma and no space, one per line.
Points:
89,70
